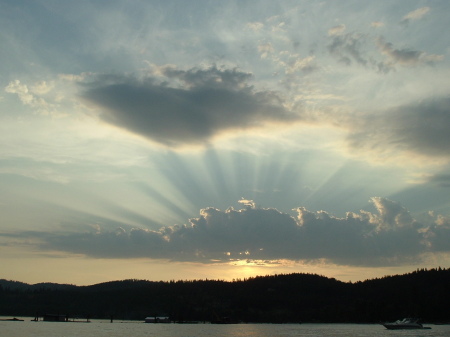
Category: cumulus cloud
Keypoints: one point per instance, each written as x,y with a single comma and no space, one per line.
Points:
415,15
421,128
388,236
32,96
21,90
185,106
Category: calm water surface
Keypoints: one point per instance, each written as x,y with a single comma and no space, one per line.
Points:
134,329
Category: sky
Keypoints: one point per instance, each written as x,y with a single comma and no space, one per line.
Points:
169,140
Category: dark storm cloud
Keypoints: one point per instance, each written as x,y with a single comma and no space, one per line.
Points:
422,128
186,107
386,237
111,244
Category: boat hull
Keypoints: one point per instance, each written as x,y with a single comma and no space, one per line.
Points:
402,327
405,324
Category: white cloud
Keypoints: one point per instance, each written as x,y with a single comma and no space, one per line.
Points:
74,78
377,24
415,15
21,90
265,49
255,26
280,27
42,88
248,203
337,30
33,96
301,64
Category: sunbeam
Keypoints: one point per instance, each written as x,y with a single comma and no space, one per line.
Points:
225,138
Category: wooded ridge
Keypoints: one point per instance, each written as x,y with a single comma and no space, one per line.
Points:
281,298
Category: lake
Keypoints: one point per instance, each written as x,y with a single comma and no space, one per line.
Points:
99,328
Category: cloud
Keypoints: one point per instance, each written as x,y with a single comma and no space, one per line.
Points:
246,202
290,62
421,128
388,236
438,233
406,56
265,49
415,15
255,26
336,30
42,88
377,24
21,90
280,27
293,63
441,180
353,47
185,106
347,48
32,96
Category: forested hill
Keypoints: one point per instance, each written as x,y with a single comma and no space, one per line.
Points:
278,299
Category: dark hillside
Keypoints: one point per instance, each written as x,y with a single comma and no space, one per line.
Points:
277,299
423,293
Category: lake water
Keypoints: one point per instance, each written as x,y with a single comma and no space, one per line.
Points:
97,328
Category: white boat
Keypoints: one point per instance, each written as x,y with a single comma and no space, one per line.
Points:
406,323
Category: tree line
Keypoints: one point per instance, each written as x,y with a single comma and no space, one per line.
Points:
283,298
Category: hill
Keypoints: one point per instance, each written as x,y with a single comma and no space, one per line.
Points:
277,299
